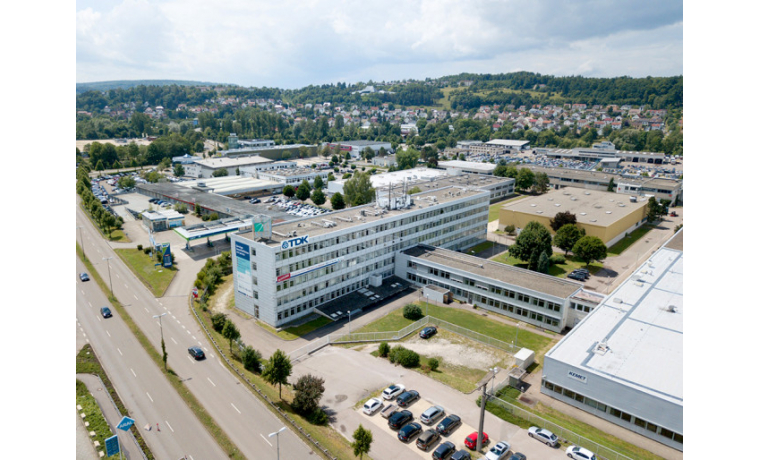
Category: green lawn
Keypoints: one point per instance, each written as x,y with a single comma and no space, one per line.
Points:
560,270
485,245
156,278
493,210
628,240
299,331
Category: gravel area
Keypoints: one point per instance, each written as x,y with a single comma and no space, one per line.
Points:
457,351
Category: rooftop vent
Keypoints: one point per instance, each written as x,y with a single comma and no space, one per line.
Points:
617,300
672,309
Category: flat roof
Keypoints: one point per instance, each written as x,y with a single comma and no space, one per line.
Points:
599,176
538,282
641,324
507,142
217,227
589,206
229,185
473,165
227,162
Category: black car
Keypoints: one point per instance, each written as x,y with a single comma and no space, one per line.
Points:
444,451
406,398
428,332
461,455
582,272
196,353
448,424
400,419
84,276
106,312
409,431
576,276
518,456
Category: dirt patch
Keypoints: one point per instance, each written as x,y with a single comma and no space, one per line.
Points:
458,351
223,297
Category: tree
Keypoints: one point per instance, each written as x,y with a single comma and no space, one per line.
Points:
230,332
561,219
126,182
413,190
567,236
362,441
530,243
337,201
543,263
309,390
541,184
590,248
318,197
277,369
304,191
220,173
289,191
163,351
611,185
358,190
164,164
251,359
653,209
407,159
179,170
525,179
318,183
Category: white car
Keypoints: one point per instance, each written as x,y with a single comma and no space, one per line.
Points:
545,436
498,452
393,391
372,406
579,453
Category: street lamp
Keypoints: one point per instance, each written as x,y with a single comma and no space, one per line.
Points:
81,243
495,371
161,326
277,433
109,273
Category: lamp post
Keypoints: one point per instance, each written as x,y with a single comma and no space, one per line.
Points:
427,302
161,326
81,243
109,273
495,371
277,433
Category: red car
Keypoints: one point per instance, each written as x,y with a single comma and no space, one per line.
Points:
471,441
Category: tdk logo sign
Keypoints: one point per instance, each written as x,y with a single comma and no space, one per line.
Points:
295,242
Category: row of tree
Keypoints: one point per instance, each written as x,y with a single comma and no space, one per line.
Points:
92,205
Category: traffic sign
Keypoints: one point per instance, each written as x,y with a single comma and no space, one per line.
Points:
112,445
125,423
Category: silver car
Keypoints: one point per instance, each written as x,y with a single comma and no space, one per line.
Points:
431,415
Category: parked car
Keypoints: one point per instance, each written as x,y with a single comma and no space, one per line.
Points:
393,391
406,398
545,436
461,455
428,332
106,312
498,452
576,276
471,441
444,450
372,406
196,353
409,431
518,456
432,414
389,410
579,453
427,439
449,424
84,276
400,419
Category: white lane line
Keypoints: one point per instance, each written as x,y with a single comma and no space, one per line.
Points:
214,357
88,303
117,349
175,342
81,291
191,360
133,372
211,382
188,332
265,439
170,427
109,334
146,310
238,410
117,275
151,399
125,285
194,338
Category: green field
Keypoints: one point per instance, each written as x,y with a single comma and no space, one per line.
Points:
559,270
155,278
628,240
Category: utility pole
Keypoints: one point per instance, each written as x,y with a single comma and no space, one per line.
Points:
107,259
483,401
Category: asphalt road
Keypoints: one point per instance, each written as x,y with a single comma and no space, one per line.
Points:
243,417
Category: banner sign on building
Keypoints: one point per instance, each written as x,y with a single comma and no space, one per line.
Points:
577,376
244,279
306,270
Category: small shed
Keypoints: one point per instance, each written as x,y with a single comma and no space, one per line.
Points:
524,358
437,294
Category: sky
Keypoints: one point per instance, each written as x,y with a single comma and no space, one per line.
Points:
292,44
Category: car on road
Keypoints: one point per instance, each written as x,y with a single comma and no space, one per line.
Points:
444,450
461,455
84,276
545,436
498,452
409,431
399,419
406,398
471,441
106,312
431,415
579,453
393,391
427,439
428,332
196,353
518,456
449,424
372,406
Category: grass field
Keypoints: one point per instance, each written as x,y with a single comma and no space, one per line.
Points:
628,240
156,279
493,210
560,270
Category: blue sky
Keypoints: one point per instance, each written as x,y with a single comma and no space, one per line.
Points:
291,44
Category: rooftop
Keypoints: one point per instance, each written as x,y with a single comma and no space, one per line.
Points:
471,165
600,176
228,162
635,337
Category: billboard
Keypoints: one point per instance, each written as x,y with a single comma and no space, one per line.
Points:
243,269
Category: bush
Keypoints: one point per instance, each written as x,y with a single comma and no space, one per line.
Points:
412,312
146,251
383,349
510,229
404,356
318,417
433,363
251,359
557,259
139,247
217,321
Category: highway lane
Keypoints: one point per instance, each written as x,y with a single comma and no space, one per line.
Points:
243,417
139,383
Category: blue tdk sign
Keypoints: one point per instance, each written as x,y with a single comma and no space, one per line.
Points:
295,242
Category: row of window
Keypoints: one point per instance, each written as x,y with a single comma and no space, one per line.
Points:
295,310
677,437
579,307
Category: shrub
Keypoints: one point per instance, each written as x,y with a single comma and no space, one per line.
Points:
412,312
408,358
383,349
433,363
139,247
510,229
557,259
318,417
146,251
251,359
217,321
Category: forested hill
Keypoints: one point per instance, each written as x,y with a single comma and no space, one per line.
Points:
125,84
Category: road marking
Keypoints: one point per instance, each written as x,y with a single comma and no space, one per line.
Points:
214,357
117,349
175,342
170,427
146,310
191,360
188,332
117,275
211,382
194,338
88,303
109,334
151,399
238,410
133,372
265,439
135,297
81,291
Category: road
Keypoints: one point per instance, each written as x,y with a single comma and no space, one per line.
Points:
243,417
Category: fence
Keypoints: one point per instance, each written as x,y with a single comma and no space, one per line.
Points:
563,433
